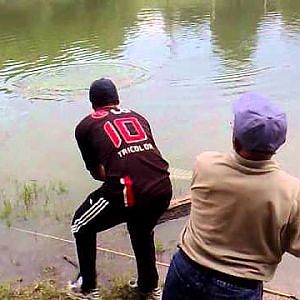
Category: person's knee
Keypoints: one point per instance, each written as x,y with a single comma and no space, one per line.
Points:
83,233
79,228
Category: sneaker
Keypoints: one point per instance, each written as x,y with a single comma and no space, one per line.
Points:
133,284
74,288
155,294
80,295
75,284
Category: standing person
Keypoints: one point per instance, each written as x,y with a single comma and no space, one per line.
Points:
118,148
245,212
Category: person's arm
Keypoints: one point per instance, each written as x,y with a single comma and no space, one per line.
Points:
293,233
98,172
83,139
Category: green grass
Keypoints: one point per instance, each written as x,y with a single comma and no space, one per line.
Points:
159,246
5,291
48,290
118,290
44,290
6,212
27,199
28,194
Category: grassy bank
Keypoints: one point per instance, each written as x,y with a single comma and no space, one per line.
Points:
49,290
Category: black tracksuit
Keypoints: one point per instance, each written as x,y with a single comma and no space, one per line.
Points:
137,189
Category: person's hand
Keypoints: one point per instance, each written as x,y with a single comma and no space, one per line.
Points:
98,173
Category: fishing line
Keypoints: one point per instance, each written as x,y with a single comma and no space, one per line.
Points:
49,236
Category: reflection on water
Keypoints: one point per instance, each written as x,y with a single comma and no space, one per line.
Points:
221,37
234,27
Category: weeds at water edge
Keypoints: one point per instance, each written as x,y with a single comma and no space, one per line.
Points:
6,212
159,246
32,198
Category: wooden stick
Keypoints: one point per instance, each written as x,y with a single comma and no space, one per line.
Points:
179,207
71,262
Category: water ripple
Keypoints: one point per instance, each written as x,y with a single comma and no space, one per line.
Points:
238,76
70,82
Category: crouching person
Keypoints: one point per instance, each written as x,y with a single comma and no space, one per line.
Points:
118,148
245,212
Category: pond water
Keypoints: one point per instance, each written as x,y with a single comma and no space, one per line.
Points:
181,63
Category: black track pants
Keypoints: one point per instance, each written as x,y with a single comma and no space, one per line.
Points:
103,209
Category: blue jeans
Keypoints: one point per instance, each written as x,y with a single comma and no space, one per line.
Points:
188,281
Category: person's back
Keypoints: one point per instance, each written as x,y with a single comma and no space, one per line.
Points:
240,215
245,212
121,140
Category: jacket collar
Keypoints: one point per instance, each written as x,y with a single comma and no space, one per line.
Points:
269,164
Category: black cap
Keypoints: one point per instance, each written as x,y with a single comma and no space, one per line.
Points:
103,91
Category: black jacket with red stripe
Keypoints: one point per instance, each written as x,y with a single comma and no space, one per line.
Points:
121,140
